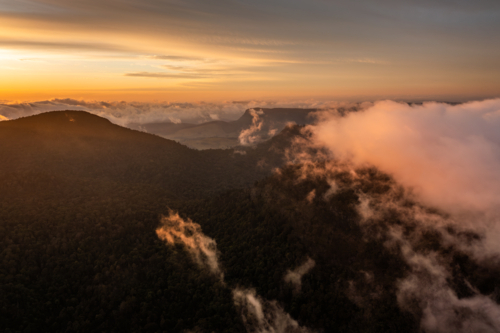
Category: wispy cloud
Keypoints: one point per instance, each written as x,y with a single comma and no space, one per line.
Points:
427,185
251,135
33,59
257,313
60,45
161,75
295,276
197,71
175,229
179,58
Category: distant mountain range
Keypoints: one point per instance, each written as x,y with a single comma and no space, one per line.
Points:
222,134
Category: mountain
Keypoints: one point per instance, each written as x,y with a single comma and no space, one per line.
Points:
222,134
311,244
74,145
80,199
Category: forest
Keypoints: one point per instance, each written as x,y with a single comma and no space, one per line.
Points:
81,200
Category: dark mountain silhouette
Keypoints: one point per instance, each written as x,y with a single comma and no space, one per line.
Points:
77,145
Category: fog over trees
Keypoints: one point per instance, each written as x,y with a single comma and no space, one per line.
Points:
109,229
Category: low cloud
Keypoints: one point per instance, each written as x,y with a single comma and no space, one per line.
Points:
294,277
174,229
422,174
137,113
448,154
258,314
442,310
262,316
125,113
251,135
429,241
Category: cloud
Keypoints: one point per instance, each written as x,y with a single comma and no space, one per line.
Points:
60,45
258,314
2,118
174,229
197,71
178,58
442,310
295,276
262,316
448,154
33,60
124,113
183,72
194,70
428,187
429,241
163,75
177,68
250,135
311,195
137,113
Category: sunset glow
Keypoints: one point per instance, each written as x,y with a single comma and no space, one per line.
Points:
277,166
230,50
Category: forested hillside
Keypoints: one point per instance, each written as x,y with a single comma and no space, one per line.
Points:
77,146
81,199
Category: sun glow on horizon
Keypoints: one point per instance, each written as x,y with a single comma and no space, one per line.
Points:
113,50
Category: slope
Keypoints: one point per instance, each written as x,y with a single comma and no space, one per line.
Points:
80,199
75,145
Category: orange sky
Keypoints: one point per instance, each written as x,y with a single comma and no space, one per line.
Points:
228,50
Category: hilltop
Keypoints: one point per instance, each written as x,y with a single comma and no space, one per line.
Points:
74,145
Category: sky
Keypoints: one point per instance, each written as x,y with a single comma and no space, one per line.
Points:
235,50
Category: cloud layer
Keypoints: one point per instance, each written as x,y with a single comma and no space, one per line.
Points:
124,113
203,249
441,156
448,154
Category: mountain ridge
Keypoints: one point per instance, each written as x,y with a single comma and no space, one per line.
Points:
227,131
81,199
82,145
